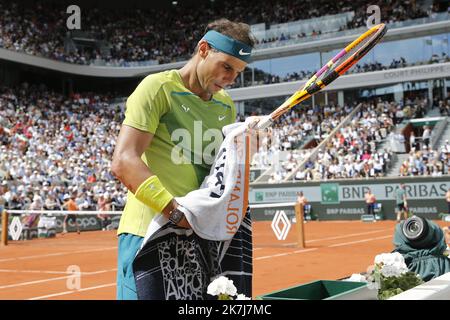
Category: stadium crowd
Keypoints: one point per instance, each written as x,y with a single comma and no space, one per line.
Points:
53,148
427,162
353,152
424,159
291,132
121,37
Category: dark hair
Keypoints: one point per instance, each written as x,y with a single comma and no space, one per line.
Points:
236,30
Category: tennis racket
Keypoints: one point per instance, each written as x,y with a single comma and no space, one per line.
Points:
334,68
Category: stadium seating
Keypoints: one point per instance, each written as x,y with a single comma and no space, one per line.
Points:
359,150
126,37
52,145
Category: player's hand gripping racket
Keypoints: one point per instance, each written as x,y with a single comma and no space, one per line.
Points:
336,67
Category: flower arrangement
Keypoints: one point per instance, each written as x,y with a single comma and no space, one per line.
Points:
224,289
390,276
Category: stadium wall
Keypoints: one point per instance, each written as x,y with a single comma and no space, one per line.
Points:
349,81
344,199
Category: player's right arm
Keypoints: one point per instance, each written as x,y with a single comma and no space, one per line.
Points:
127,164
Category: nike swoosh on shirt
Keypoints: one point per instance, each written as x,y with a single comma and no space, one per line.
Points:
222,117
243,53
186,109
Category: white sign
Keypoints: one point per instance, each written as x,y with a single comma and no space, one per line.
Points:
15,228
282,233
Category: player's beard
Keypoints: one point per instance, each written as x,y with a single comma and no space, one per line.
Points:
203,85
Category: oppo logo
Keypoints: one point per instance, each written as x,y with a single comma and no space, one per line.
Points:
85,222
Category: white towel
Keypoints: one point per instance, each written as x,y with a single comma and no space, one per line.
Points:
215,211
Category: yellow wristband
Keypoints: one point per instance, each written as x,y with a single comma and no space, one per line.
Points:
152,193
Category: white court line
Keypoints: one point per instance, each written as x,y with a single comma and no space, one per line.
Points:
57,254
331,246
335,238
349,235
37,271
73,291
359,241
52,272
284,254
52,279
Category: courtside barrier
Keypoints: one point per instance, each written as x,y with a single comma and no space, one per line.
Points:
88,220
24,224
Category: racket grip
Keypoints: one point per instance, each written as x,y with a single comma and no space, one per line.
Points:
264,123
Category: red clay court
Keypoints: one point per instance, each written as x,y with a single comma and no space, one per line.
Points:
37,269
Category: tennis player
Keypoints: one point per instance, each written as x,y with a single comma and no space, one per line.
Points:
172,125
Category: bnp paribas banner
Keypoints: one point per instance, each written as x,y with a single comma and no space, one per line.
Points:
344,199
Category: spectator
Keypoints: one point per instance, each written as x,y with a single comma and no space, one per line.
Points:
43,165
104,204
51,203
412,141
302,201
370,202
70,205
446,231
401,201
426,135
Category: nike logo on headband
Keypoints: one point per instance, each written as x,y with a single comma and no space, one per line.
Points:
242,53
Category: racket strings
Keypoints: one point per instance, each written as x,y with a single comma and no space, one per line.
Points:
337,66
345,57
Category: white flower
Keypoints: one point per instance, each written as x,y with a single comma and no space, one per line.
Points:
357,277
241,296
391,264
383,258
389,258
398,258
389,271
222,285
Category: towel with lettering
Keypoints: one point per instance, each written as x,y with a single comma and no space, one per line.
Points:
177,263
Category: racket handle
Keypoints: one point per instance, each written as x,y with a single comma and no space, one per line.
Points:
265,122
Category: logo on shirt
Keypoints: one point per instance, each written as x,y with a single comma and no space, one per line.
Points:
186,109
243,53
222,117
